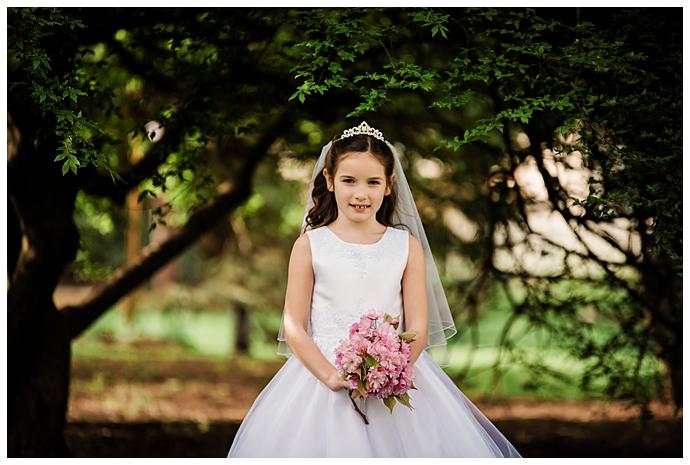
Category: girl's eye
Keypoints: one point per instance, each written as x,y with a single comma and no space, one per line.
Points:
372,182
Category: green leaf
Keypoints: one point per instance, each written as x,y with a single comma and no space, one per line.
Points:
389,402
335,67
143,194
405,400
361,388
345,55
370,362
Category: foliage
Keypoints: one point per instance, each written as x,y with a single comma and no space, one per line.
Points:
461,82
53,87
101,250
549,76
530,65
180,70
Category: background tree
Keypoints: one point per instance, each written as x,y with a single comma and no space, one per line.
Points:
82,84
208,77
599,88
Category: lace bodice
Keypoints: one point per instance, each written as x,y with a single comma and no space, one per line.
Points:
351,279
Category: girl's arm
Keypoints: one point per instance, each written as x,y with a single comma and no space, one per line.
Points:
296,316
415,303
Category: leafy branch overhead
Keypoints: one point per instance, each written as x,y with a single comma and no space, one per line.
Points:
585,78
479,96
54,91
600,90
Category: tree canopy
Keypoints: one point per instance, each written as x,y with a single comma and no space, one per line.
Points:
482,95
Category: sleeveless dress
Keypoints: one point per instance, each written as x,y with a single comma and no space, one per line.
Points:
296,415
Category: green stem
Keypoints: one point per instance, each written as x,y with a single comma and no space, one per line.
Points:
354,404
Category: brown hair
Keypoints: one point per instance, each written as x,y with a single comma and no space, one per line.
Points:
325,209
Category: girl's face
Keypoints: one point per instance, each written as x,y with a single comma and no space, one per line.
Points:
359,179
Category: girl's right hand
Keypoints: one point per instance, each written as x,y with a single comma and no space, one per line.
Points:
335,382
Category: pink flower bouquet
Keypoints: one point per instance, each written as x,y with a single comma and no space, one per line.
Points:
375,359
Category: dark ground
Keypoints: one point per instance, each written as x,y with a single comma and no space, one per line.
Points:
192,408
532,438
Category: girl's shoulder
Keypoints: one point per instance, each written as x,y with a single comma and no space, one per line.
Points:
303,243
400,233
308,237
312,231
321,233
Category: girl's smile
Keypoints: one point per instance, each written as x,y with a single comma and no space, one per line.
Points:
359,186
360,208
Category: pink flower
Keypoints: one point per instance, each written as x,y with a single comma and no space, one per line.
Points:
374,347
353,382
377,378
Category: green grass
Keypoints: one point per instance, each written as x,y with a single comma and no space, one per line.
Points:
516,381
211,335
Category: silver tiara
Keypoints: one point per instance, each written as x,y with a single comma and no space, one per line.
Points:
363,128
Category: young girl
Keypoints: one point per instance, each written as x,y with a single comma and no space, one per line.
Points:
351,259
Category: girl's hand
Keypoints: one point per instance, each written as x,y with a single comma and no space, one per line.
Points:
335,382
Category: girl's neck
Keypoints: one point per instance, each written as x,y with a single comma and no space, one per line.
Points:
350,227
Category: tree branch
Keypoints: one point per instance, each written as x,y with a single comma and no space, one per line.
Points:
154,256
102,185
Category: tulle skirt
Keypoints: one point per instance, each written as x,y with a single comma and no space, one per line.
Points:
296,415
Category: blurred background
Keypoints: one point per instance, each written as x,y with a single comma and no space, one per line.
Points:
158,161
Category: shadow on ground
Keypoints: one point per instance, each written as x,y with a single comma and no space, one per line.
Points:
532,438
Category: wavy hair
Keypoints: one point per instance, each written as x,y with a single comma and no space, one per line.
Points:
325,209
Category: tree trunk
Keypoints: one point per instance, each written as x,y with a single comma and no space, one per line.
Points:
39,335
38,389
38,357
14,239
242,330
664,291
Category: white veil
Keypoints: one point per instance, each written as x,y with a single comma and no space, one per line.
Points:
441,324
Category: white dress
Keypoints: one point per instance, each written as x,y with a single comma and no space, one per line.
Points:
296,415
